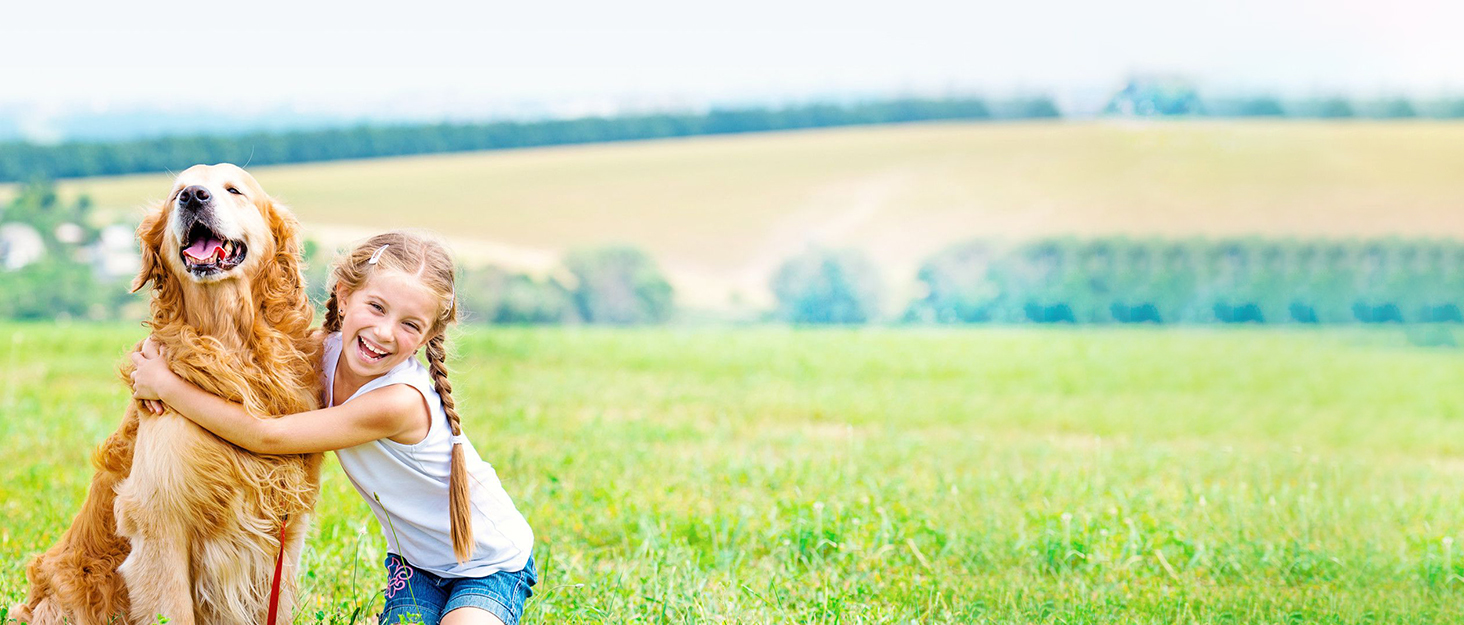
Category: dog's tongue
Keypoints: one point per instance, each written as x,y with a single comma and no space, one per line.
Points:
204,250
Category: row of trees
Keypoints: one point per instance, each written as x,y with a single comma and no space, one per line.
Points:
26,161
1120,280
1166,96
20,161
1330,108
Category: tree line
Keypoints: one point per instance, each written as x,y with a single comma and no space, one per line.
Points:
1192,281
22,161
1171,96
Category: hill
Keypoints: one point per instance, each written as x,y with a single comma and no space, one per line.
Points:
721,212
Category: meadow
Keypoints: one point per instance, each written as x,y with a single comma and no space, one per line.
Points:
932,475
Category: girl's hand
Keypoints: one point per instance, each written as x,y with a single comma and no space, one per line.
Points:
151,376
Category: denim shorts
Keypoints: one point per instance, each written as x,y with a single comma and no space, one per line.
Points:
416,596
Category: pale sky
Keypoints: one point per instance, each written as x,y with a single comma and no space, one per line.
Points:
430,58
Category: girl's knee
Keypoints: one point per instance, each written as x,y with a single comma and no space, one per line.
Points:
468,615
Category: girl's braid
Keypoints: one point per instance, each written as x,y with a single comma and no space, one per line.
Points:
332,313
458,508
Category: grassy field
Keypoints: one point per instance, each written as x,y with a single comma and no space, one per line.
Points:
721,212
891,475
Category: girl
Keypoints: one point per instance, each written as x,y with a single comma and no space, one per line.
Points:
395,429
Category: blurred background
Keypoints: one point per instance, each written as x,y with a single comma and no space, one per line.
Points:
1052,162
999,205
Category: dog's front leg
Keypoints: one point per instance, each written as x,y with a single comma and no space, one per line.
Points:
156,573
157,570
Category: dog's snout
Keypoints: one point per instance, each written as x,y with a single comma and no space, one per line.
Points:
194,196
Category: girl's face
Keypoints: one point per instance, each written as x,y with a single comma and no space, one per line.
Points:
384,322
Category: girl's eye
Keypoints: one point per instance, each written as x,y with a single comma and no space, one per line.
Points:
235,191
413,327
377,307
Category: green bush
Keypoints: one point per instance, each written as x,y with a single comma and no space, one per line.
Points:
54,288
827,286
958,286
618,285
495,295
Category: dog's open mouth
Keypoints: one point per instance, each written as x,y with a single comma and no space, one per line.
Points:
205,253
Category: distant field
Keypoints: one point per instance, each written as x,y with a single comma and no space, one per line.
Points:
722,212
896,475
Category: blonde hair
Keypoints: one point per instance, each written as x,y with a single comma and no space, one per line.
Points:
429,261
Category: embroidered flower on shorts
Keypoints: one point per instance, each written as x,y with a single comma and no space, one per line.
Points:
400,573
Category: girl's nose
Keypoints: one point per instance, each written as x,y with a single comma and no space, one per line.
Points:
381,335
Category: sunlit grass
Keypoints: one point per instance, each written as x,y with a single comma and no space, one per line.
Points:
890,475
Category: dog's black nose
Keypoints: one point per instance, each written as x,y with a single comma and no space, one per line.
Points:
194,196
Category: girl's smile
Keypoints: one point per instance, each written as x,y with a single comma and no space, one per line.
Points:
370,353
382,324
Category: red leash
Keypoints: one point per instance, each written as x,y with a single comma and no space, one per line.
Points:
274,590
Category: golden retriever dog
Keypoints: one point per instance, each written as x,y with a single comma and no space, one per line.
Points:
178,522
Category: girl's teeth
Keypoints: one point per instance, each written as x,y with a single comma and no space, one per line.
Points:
371,351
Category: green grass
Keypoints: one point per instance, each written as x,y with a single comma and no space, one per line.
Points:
1005,475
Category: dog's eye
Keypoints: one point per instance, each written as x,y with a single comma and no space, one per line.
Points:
235,191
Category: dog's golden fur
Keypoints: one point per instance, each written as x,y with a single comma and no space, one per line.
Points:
178,522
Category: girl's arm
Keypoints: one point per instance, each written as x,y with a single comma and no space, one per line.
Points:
382,413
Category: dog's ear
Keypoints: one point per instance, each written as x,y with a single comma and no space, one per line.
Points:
280,283
150,236
286,231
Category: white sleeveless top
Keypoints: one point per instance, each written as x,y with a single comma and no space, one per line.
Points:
411,482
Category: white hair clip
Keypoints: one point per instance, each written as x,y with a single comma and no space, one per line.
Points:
458,439
377,254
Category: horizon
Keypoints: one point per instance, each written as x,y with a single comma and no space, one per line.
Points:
488,62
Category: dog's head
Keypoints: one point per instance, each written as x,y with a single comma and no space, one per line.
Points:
219,229
217,224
